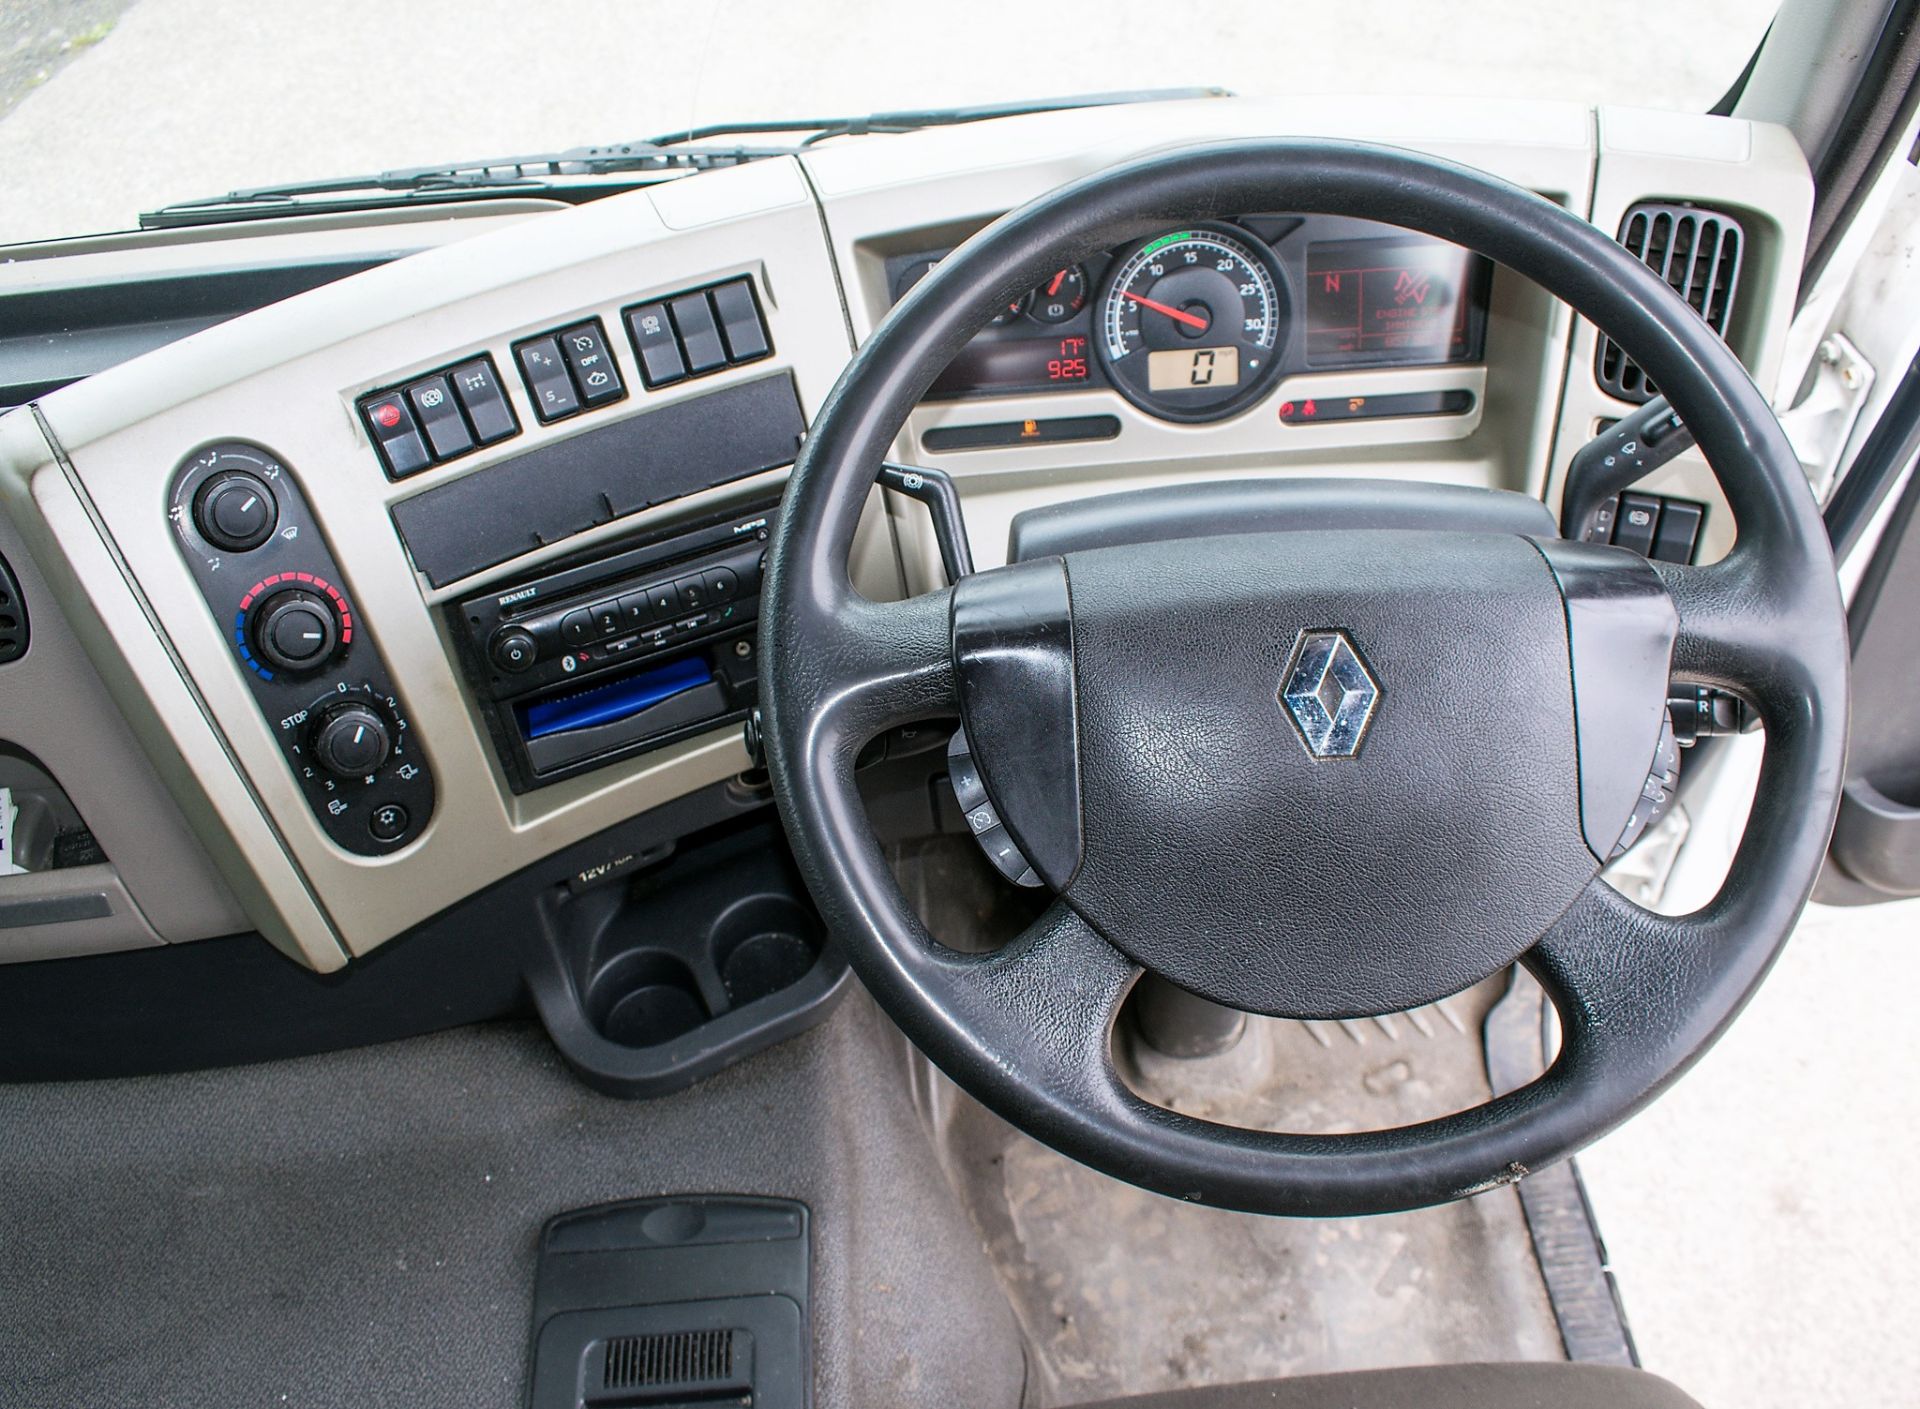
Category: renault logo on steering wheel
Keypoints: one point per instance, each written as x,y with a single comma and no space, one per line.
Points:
1329,693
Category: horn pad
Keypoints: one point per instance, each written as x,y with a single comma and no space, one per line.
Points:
1325,774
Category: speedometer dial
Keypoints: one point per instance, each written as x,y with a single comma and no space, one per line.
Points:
1190,321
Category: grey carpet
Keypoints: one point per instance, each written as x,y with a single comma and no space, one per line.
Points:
360,1228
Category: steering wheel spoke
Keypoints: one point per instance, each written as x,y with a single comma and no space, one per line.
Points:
880,664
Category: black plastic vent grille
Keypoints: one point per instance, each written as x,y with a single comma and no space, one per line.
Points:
670,1358
13,616
1698,253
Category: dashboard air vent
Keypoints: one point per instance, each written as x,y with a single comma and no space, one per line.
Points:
1698,253
13,616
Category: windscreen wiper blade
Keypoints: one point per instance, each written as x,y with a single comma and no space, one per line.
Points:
534,173
914,119
547,173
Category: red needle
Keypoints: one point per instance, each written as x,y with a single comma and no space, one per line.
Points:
1058,280
1173,313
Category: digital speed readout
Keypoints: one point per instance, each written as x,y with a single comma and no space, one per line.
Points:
1192,367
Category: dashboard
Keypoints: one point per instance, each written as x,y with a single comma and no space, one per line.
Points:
351,606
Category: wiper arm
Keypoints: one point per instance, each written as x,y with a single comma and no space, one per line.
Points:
535,172
914,119
547,172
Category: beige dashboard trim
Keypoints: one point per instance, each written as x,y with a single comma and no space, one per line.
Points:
118,633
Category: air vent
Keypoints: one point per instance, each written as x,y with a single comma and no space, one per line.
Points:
13,616
670,1358
1698,253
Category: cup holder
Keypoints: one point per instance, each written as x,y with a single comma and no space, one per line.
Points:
649,985
763,944
643,998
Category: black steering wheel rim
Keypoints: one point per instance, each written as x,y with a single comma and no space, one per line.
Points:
1026,1030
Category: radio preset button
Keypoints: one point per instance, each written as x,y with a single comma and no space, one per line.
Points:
635,610
722,584
606,619
693,593
576,628
664,598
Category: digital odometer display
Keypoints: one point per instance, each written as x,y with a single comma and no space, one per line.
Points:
1391,302
1018,364
1189,322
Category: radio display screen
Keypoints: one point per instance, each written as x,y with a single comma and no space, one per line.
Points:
1394,302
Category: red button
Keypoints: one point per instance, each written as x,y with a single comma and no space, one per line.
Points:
387,414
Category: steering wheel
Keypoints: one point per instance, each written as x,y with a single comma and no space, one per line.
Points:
1446,814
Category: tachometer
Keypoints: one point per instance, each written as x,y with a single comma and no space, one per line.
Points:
1189,323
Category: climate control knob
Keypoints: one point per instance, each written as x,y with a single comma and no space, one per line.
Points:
295,630
352,740
235,511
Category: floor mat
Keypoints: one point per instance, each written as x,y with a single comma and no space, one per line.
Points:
360,1228
1124,1292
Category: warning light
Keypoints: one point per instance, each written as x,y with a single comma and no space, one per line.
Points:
1029,428
1286,409
1354,403
1310,409
387,415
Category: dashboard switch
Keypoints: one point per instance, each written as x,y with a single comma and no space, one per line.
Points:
486,404
653,339
440,417
585,348
547,379
576,628
1634,522
1679,530
396,434
388,822
699,334
740,321
693,593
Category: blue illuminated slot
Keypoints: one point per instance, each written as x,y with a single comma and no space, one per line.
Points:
603,704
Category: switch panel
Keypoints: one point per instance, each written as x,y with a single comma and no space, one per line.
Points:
697,332
1651,525
438,417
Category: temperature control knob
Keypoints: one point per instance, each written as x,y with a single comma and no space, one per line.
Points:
295,630
352,740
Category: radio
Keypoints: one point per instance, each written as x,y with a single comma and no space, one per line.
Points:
619,655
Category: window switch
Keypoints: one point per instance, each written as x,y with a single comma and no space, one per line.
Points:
485,402
660,358
440,417
396,434
547,380
585,348
699,334
740,321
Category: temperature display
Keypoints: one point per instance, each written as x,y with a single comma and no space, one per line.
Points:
1017,364
1391,302
1193,366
